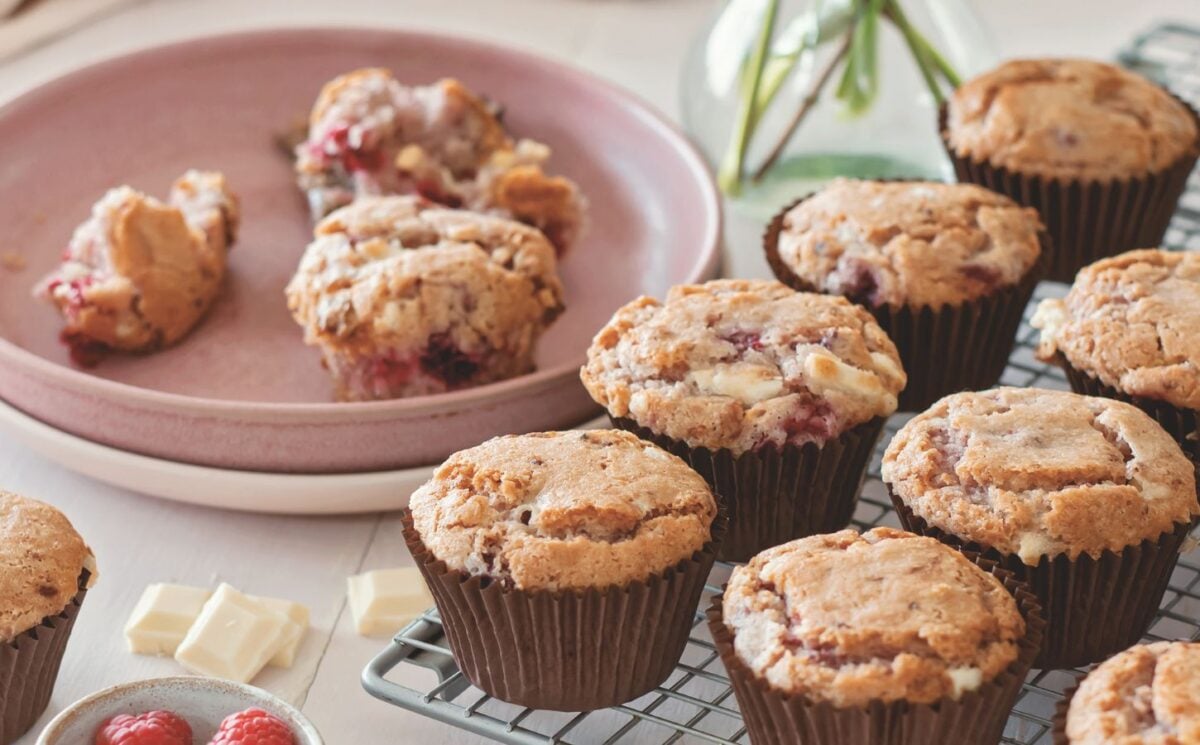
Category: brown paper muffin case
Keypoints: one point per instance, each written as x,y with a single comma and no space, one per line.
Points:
1182,424
1087,220
776,494
568,650
955,348
1058,725
1093,607
977,718
29,666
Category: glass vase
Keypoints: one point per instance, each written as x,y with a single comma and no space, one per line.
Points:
895,137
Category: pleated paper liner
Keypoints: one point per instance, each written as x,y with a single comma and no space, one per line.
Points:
775,495
1058,725
954,348
567,650
976,718
1087,220
1094,608
29,666
1182,424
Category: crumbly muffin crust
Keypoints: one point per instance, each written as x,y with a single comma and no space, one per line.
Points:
41,561
564,510
909,243
1146,695
1036,473
1069,118
139,274
371,135
407,298
885,615
1133,321
744,364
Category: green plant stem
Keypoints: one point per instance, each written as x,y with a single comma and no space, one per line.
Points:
729,177
929,62
806,104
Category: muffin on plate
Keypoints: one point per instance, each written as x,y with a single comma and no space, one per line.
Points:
946,269
1102,153
1146,695
1087,499
369,134
406,298
776,397
139,274
1130,329
45,572
566,566
883,637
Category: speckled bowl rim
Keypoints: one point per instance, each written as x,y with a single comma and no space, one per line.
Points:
705,263
307,734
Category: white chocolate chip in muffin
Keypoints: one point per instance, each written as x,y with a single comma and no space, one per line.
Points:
827,373
965,679
747,383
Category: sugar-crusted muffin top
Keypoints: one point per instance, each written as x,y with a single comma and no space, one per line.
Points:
743,364
1040,473
390,272
885,615
564,510
1146,695
1133,321
909,243
42,559
1077,119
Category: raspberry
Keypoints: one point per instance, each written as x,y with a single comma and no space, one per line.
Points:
253,727
151,728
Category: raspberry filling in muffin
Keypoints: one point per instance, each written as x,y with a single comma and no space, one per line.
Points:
407,298
744,365
371,135
139,274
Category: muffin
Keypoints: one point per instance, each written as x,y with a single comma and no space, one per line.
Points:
405,298
884,637
776,397
946,269
1130,329
1146,695
139,274
371,135
1087,499
566,566
45,572
1102,153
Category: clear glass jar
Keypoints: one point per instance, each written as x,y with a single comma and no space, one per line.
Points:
896,137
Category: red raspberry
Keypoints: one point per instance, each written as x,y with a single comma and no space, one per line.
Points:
253,727
151,728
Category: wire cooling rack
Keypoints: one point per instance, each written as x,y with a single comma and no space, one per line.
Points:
696,704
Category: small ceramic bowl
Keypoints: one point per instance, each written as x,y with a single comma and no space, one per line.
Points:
203,702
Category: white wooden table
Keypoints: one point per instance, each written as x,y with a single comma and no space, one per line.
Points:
139,540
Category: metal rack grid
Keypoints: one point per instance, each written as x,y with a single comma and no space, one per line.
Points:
696,704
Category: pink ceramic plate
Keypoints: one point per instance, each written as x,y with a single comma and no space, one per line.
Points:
243,391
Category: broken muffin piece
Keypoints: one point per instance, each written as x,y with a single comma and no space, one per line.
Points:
139,273
369,135
407,298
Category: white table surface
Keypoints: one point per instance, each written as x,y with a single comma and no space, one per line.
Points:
139,540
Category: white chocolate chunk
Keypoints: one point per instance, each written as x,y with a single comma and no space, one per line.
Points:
826,373
233,638
1033,547
887,367
297,616
747,383
162,617
965,679
1049,317
383,601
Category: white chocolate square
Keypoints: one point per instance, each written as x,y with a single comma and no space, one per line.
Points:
162,617
383,601
297,616
233,638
